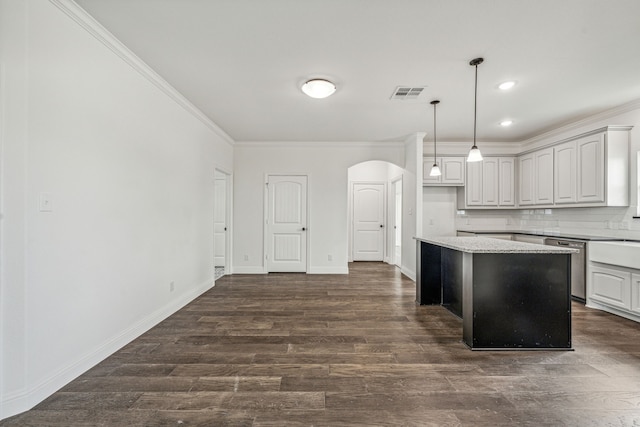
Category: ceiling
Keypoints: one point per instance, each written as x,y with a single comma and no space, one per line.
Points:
242,62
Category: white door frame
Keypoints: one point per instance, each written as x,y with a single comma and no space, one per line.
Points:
228,212
265,228
392,214
352,186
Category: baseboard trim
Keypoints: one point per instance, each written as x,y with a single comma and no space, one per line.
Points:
409,273
249,270
25,399
328,270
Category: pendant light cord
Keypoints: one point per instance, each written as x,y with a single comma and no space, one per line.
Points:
435,144
475,107
435,102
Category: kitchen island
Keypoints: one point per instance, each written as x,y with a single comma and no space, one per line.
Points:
510,295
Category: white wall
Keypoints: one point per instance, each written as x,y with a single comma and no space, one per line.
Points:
412,202
439,211
327,165
128,166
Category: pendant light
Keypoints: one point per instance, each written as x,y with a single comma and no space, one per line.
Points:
435,169
474,153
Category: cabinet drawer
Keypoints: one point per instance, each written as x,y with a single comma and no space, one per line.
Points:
611,287
635,293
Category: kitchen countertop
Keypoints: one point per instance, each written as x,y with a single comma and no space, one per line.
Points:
486,245
547,234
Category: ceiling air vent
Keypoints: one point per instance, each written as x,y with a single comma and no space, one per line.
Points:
405,93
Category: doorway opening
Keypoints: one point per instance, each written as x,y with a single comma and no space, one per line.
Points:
397,222
221,241
375,212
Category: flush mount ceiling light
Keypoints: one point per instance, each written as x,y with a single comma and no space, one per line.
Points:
435,169
318,88
474,153
506,123
506,85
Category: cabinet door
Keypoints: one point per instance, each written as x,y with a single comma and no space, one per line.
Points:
590,158
473,187
611,286
506,184
490,172
635,293
543,174
452,170
565,172
426,169
525,180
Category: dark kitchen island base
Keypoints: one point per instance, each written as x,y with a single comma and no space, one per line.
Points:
510,297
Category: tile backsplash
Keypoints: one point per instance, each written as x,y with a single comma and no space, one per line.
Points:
607,221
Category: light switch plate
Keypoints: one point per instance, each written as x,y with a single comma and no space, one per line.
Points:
46,202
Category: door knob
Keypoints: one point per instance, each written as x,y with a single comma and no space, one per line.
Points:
304,229
381,226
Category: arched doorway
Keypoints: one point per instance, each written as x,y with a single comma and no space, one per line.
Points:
375,212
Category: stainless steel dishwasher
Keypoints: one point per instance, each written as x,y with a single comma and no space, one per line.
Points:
578,265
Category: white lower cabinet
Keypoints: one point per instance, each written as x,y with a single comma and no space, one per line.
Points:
635,293
611,286
614,289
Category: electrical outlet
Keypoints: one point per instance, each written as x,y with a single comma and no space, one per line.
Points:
330,257
172,286
246,257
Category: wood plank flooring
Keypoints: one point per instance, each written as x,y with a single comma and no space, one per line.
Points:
316,350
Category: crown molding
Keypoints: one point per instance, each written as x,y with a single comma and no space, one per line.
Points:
318,144
93,27
596,118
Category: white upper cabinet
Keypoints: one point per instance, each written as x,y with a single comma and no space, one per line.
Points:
526,180
490,181
490,184
543,175
564,173
591,164
591,169
473,189
507,181
452,169
535,182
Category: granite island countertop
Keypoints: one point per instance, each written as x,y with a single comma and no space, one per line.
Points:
554,234
493,246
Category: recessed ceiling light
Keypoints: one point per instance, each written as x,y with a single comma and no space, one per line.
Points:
318,88
506,85
506,123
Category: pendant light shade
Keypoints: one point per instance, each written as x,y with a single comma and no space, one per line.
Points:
474,153
435,169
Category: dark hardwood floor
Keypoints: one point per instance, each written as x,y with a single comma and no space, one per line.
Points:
321,350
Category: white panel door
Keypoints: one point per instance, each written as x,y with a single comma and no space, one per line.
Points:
287,224
219,222
368,222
